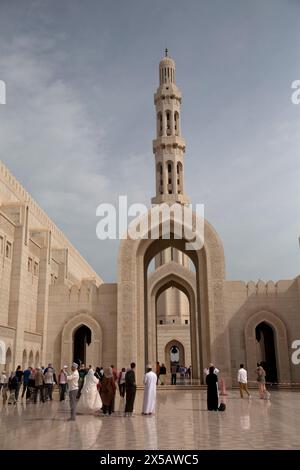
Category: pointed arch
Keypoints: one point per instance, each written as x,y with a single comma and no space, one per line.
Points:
94,352
30,359
280,339
24,359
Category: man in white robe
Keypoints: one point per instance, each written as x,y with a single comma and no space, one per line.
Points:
150,380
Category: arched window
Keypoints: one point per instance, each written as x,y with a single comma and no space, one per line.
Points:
160,178
179,177
168,116
176,123
170,182
159,124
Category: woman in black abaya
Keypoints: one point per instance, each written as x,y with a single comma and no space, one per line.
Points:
212,390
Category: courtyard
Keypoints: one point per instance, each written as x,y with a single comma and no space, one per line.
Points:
181,422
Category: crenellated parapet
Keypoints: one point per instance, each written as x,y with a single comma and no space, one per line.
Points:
266,287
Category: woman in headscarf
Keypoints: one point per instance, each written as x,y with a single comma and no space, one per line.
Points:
212,390
108,391
89,401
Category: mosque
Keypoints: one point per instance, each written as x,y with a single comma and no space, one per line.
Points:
169,304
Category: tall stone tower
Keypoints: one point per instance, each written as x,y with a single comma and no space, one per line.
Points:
169,146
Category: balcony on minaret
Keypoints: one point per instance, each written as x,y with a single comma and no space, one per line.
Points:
165,142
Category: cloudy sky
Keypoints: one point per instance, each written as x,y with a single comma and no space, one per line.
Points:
79,119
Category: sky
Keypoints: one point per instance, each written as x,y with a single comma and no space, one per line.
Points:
79,120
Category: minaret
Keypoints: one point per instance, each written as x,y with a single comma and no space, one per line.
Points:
169,146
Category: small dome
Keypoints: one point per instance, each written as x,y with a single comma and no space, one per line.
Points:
167,62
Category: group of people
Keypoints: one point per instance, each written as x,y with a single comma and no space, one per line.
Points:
92,390
261,380
242,378
184,373
97,390
36,382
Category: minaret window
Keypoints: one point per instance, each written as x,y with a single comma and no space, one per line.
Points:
160,177
170,185
159,124
168,123
176,123
179,177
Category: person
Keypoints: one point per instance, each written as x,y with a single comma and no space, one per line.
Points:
4,386
108,391
19,375
121,382
157,372
189,372
130,387
163,374
73,379
207,369
114,372
2,378
182,371
173,374
62,383
242,380
149,391
26,375
212,390
31,386
82,373
12,386
49,381
89,401
261,379
39,385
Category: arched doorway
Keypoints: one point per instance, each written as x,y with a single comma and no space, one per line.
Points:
91,353
82,340
265,328
174,354
266,353
183,327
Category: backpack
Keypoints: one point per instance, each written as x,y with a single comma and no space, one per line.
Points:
222,407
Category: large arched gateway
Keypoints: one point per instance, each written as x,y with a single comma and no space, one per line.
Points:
204,288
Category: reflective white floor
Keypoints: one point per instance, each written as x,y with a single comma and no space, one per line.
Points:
181,422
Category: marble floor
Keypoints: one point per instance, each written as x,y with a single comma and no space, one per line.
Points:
181,422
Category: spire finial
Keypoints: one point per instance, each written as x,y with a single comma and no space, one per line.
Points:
166,52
